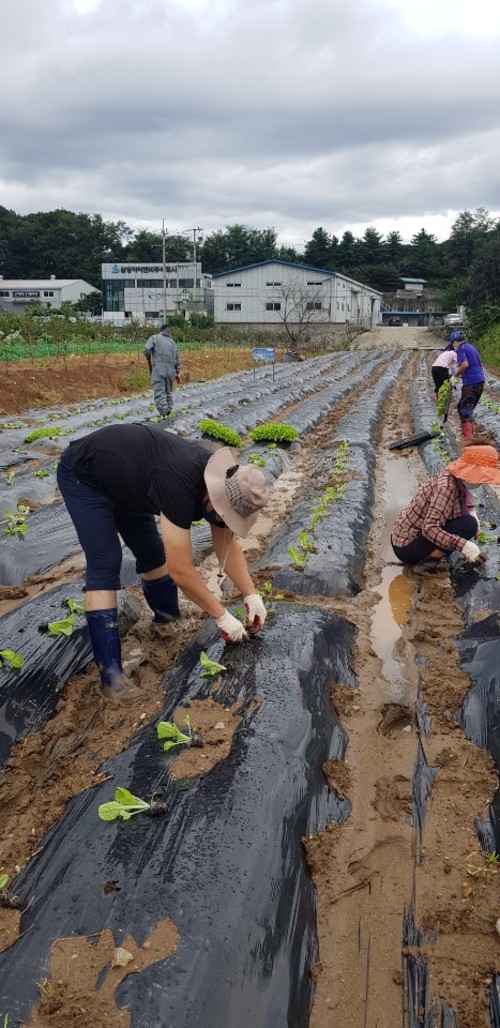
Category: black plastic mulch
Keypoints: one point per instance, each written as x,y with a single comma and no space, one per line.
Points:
226,863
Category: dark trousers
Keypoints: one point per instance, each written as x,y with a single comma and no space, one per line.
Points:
420,548
439,375
98,524
469,398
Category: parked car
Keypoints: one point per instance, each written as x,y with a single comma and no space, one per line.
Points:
453,320
395,321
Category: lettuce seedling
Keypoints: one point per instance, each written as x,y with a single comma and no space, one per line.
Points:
217,430
210,667
9,477
41,473
3,881
16,521
66,625
14,659
299,559
172,735
124,805
274,432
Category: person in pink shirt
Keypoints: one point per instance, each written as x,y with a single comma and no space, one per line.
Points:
444,366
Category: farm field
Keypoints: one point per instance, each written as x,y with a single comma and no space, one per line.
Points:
328,858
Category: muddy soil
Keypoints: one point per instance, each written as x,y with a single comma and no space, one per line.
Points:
367,871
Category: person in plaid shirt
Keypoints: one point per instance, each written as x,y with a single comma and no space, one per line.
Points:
441,516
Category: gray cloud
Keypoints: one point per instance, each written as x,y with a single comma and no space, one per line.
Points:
275,113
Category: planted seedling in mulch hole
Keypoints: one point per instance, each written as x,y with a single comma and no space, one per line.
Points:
9,477
14,659
16,521
210,668
111,885
41,473
66,625
299,557
124,806
7,898
171,735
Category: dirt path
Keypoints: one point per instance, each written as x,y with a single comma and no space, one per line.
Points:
387,858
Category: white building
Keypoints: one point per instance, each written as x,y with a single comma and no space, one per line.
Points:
275,292
48,292
147,291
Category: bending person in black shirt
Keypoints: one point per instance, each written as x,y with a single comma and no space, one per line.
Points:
113,482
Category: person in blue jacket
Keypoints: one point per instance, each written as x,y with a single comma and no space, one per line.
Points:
471,371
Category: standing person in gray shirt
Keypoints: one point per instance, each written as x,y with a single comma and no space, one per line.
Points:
163,360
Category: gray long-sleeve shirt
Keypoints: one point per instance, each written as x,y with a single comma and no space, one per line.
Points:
162,350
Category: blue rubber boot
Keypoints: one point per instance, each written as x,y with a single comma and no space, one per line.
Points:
106,647
162,597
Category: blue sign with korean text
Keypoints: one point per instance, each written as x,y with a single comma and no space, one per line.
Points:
263,354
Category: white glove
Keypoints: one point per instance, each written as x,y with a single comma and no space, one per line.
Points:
472,553
453,380
256,611
230,628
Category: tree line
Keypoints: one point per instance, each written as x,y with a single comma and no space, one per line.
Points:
465,267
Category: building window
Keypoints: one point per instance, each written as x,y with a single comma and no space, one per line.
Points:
314,283
313,305
273,284
149,283
4,292
172,283
48,292
186,283
233,285
233,306
152,314
273,306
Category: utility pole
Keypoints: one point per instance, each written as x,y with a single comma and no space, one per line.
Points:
163,242
195,234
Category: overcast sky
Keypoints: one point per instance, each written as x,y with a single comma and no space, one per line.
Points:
283,113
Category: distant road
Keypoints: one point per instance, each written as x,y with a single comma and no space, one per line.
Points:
402,338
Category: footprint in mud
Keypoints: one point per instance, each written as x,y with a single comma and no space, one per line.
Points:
393,798
394,718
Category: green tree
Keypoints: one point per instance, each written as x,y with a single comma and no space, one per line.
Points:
347,253
469,235
319,250
237,246
370,249
393,249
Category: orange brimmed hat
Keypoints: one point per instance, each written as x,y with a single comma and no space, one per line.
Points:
478,465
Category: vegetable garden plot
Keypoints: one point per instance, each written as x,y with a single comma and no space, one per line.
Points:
37,485
226,863
487,415
321,549
48,540
28,695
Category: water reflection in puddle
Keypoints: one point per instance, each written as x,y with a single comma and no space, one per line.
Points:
395,589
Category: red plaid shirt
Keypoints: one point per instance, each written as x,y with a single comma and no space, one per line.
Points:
436,502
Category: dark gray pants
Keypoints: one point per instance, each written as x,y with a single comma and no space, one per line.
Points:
162,381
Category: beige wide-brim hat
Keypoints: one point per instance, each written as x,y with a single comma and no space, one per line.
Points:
477,465
239,496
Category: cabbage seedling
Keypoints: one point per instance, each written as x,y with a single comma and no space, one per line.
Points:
16,521
9,478
15,660
66,625
3,881
41,473
124,805
210,667
171,735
